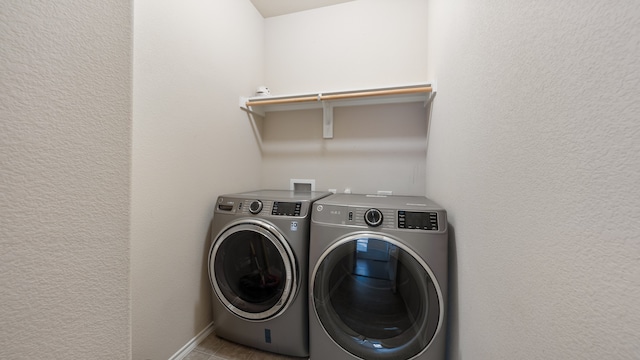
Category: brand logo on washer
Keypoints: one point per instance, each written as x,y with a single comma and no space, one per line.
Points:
319,208
294,226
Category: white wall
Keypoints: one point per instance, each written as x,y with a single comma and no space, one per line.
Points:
359,44
191,143
364,43
64,179
534,151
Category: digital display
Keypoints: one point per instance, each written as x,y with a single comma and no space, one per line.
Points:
418,220
286,208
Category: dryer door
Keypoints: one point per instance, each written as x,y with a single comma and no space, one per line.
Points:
376,298
252,269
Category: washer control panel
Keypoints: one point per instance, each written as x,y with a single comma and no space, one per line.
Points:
262,207
417,220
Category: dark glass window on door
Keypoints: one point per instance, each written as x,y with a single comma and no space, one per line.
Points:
250,271
376,300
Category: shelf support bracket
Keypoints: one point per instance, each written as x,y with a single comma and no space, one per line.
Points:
249,109
327,120
429,99
252,119
432,94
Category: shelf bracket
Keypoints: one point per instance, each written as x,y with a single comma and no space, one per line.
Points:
249,109
251,114
432,94
429,99
327,120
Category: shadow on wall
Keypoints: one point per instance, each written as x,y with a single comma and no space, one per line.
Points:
453,328
367,130
205,288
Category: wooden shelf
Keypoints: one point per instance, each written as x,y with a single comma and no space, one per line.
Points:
260,105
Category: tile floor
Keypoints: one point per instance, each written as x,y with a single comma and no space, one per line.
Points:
215,348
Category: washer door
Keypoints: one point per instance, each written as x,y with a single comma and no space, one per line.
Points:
376,298
252,269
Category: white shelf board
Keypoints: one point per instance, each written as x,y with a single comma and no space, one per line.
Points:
329,100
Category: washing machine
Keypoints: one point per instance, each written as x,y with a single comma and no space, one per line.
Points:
378,278
258,268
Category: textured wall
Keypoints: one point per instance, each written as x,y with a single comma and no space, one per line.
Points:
191,142
64,179
534,151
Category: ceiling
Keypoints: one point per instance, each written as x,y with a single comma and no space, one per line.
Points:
269,8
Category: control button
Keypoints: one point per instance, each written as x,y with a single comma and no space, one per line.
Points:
255,207
373,217
402,218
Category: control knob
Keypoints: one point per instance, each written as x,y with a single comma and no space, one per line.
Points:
255,206
373,217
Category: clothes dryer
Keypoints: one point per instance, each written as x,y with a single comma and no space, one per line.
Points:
378,278
258,268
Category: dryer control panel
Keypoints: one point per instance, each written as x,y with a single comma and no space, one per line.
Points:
381,213
377,217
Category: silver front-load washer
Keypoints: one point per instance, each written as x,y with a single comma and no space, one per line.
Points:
378,278
258,269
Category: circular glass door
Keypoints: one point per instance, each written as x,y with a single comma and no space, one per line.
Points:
252,269
376,298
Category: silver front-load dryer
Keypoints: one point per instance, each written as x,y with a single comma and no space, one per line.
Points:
258,269
378,278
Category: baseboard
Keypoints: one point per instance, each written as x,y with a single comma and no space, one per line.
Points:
186,349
